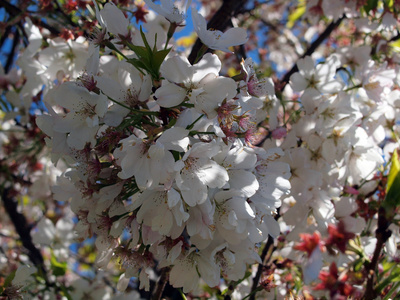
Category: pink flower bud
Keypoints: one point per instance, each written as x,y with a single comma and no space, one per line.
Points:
279,133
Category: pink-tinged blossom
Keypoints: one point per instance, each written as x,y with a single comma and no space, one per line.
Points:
63,58
184,274
362,159
279,133
263,87
201,223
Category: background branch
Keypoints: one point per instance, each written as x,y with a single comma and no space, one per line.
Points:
23,230
13,51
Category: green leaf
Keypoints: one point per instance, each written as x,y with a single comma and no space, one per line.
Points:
140,51
65,292
145,40
9,279
358,264
392,199
394,170
58,268
138,63
395,45
149,59
387,265
296,14
393,277
159,57
371,5
392,291
389,4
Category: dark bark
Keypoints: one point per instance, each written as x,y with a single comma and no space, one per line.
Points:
162,282
13,51
382,234
23,229
268,250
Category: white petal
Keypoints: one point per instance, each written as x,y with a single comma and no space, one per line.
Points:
169,95
46,232
178,70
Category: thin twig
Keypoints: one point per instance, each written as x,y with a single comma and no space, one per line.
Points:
382,234
5,36
11,55
268,248
161,284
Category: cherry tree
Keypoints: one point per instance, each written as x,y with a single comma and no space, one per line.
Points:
250,155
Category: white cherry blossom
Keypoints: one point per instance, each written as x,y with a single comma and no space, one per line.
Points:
173,11
85,110
215,39
200,83
196,172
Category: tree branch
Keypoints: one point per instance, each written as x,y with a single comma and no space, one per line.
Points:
161,284
268,248
382,234
23,230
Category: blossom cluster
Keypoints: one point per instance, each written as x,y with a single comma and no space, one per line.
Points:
164,162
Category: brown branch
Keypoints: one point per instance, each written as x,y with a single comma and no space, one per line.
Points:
324,35
161,284
382,234
14,11
268,250
23,230
220,21
5,36
66,17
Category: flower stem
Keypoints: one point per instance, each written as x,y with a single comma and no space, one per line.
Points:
170,33
182,294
